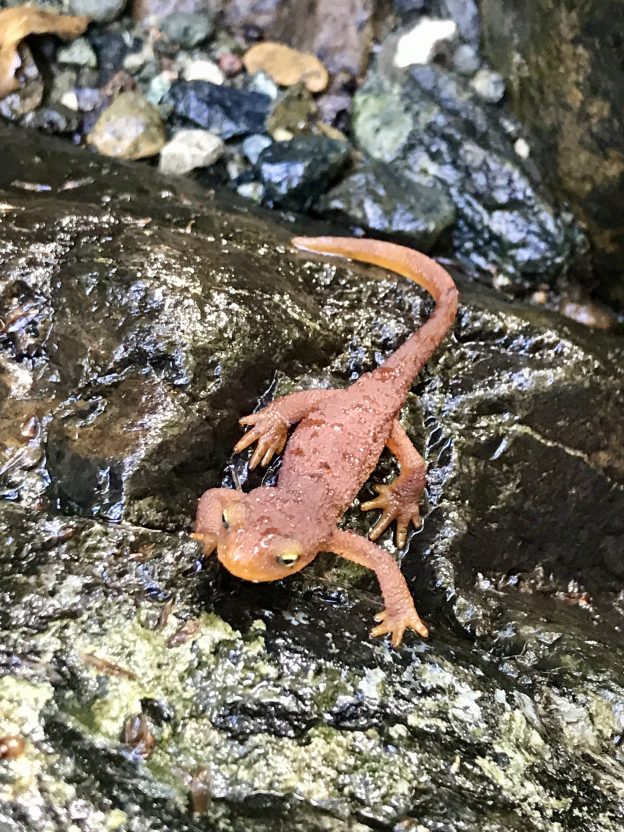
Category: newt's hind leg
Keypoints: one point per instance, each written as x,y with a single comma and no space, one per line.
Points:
400,499
270,425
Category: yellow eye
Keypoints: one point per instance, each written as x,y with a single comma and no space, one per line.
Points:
288,558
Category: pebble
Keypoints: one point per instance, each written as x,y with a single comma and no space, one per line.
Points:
264,85
53,118
158,87
77,53
99,11
230,64
130,128
489,85
253,146
187,29
203,70
286,66
466,59
188,150
421,43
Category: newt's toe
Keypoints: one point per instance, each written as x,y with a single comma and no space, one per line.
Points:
396,624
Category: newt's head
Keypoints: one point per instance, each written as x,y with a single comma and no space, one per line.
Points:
263,535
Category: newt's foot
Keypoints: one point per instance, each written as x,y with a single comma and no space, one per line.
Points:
397,623
269,429
208,541
397,501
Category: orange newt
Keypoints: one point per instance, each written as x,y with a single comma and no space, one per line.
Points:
271,532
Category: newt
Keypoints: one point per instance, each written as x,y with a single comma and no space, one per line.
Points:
272,532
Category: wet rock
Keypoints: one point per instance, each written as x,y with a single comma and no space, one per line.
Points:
139,323
187,29
100,11
77,53
466,59
130,128
566,89
375,199
190,149
222,110
295,173
427,120
53,118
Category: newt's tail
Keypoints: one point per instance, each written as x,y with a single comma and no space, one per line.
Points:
413,354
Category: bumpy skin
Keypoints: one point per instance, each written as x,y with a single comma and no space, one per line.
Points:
270,533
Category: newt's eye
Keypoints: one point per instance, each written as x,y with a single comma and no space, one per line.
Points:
225,521
288,558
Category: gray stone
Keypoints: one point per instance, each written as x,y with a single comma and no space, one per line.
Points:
216,107
77,53
466,59
188,150
100,11
253,146
189,30
489,85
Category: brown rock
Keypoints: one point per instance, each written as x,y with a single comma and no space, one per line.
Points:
339,33
130,128
286,66
21,21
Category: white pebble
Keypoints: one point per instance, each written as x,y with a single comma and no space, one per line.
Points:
420,44
203,70
188,150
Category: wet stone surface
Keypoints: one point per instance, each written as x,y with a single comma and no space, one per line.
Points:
140,318
426,121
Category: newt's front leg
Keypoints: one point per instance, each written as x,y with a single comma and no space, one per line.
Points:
400,613
400,499
270,425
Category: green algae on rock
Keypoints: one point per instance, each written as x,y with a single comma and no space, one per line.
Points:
135,331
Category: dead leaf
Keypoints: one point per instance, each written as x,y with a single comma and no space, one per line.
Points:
18,22
286,66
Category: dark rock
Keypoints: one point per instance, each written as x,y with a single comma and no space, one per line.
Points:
54,118
428,121
297,172
111,47
563,66
140,319
376,199
225,111
186,29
